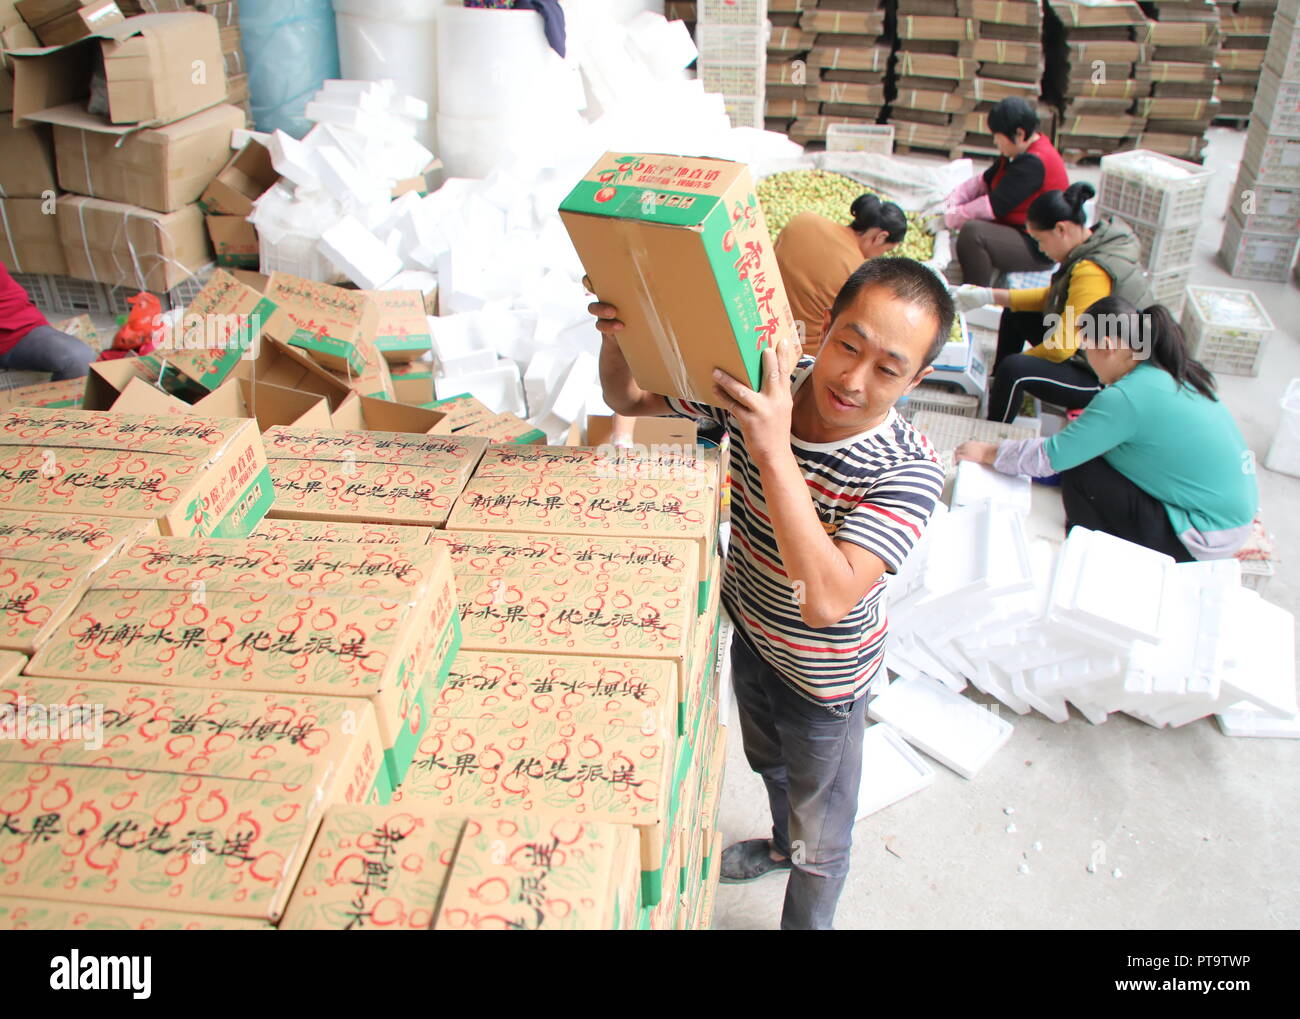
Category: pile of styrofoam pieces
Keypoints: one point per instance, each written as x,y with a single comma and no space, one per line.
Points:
1096,622
513,327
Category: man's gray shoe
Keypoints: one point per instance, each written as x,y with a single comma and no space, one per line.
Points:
749,861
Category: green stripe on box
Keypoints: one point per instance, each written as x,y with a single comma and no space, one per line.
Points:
652,887
643,918
737,294
702,602
219,368
411,341
240,522
311,342
381,793
399,756
444,670
628,201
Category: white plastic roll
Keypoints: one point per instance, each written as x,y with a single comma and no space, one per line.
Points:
395,39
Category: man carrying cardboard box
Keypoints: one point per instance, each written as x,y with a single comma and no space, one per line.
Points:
29,343
832,490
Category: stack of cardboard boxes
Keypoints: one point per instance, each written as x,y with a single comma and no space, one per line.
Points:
788,46
934,75
1092,52
1009,52
847,69
731,37
1182,40
131,173
1245,27
1262,234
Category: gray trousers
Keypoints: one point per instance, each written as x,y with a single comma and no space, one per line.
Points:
810,759
45,349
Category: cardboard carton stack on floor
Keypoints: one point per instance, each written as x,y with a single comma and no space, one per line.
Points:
847,71
934,75
1260,239
1246,28
788,47
585,685
731,37
1182,39
1092,51
134,172
1009,52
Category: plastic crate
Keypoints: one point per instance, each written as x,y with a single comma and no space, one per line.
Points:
17,380
1276,210
1283,54
942,401
296,255
1277,105
1256,573
76,296
743,13
745,111
1251,255
724,44
37,287
1132,186
733,79
1170,288
1272,158
860,138
1164,248
1228,338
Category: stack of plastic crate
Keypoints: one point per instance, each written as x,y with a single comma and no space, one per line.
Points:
1182,40
731,36
1226,329
1163,200
1262,232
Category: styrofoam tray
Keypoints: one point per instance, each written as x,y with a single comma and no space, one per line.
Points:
956,732
891,770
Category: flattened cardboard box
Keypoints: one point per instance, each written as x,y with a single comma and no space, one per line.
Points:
193,843
843,22
339,620
374,868
67,393
222,326
332,531
328,745
335,326
614,774
384,477
125,245
27,171
606,506
46,563
852,58
680,245
149,64
29,238
519,873
402,334
160,168
193,476
501,553
19,914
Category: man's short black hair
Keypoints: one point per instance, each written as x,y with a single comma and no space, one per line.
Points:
1010,114
908,280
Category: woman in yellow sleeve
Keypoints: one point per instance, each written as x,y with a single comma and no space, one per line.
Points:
1095,262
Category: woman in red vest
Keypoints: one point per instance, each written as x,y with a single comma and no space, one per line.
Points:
29,343
989,209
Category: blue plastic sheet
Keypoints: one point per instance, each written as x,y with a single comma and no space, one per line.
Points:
291,47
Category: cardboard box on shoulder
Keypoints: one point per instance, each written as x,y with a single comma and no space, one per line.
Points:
681,247
192,476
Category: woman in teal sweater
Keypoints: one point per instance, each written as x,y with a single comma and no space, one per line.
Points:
1155,458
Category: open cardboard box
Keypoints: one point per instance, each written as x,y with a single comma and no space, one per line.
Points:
239,398
368,414
247,175
150,66
334,326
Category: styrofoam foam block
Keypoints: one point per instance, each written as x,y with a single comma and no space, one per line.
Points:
359,254
293,160
1259,665
1107,589
1246,721
891,770
498,388
542,376
989,679
345,182
954,731
241,136
570,399
976,482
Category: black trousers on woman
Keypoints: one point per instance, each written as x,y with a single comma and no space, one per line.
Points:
1065,384
1100,498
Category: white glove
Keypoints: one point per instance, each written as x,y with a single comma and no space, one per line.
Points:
971,297
935,222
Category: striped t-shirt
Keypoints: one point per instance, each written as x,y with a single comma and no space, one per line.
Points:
877,490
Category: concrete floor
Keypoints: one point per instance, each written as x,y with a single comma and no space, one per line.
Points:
1189,828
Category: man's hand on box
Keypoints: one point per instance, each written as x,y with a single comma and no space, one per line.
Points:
607,321
764,415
